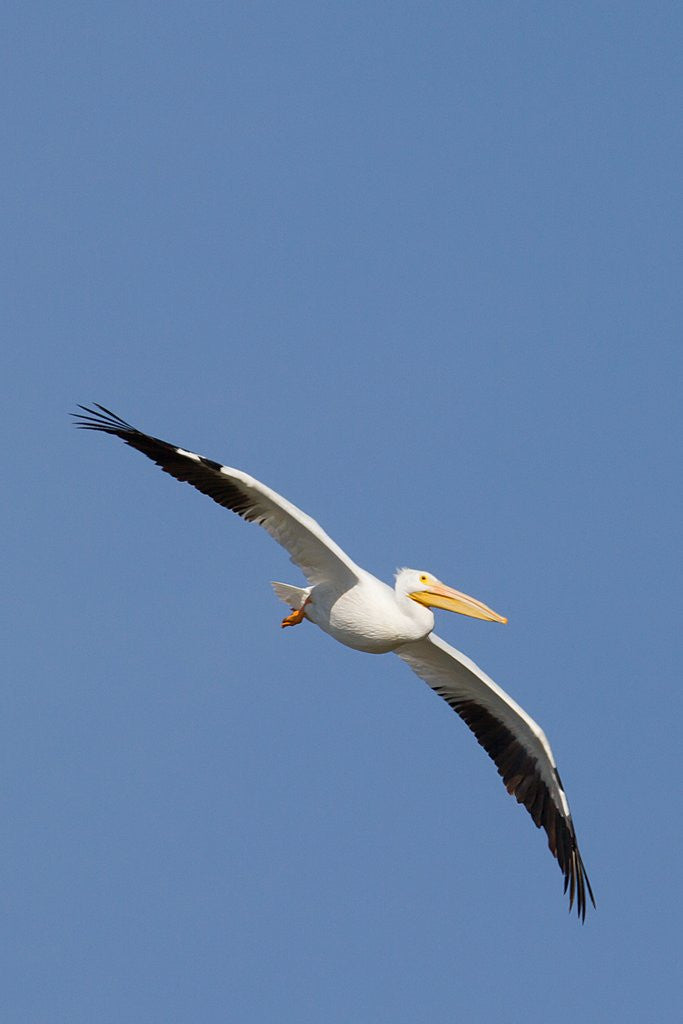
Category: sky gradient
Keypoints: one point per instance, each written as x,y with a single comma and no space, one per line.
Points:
417,267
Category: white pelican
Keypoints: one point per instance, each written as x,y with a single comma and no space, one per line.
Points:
362,612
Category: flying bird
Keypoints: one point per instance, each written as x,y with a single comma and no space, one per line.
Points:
362,612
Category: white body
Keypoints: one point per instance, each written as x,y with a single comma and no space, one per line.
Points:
368,616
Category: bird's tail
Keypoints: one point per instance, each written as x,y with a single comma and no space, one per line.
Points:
293,597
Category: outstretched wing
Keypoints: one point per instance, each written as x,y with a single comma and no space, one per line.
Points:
514,741
310,548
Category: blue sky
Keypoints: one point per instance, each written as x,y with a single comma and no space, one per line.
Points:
416,266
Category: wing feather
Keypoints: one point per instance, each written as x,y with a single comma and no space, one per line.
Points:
516,744
308,545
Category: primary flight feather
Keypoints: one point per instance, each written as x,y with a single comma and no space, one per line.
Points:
364,613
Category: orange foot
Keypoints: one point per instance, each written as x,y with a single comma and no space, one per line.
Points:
295,618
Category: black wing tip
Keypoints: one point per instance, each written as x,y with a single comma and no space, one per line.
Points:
519,771
577,881
98,417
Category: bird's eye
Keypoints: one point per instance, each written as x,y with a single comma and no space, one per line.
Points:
423,578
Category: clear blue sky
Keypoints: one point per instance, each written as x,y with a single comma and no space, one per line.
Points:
417,266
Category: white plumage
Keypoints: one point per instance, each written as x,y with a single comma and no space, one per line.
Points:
364,613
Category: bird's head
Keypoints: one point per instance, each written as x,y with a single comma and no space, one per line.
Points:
422,587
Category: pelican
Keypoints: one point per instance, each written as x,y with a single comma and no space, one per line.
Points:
364,613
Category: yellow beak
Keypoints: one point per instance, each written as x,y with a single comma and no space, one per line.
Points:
438,595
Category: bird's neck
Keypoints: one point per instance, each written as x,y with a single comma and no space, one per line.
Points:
420,616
